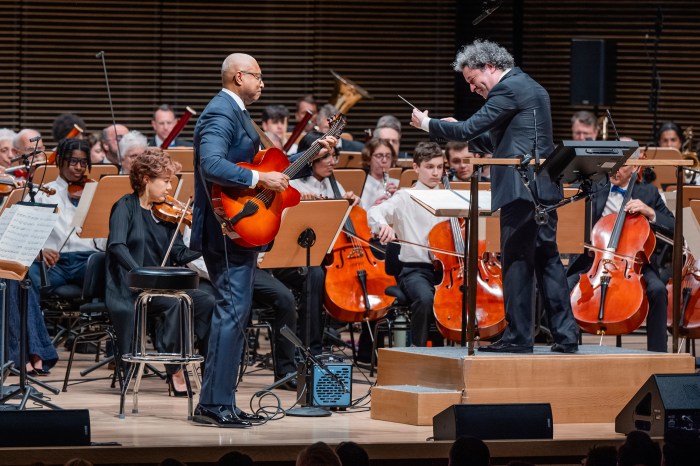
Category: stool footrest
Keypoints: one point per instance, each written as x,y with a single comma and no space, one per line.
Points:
170,358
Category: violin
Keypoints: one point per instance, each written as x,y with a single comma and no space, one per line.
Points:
171,210
689,320
610,298
447,308
355,278
7,184
75,188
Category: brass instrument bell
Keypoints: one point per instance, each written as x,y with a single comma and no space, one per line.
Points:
346,93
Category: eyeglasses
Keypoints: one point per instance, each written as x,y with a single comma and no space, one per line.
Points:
258,76
381,156
73,162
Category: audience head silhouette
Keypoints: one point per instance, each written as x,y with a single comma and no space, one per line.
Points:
318,454
469,451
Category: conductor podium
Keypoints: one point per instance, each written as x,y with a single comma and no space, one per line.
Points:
593,385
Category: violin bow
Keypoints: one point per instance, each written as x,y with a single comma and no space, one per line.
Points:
177,228
401,241
101,54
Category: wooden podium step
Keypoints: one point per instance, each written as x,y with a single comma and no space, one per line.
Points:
592,385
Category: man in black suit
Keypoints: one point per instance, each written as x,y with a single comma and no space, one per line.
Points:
163,123
505,126
607,198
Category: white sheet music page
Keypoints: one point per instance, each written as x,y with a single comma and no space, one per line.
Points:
447,203
23,232
83,206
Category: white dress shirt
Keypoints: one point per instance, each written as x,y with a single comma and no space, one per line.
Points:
62,230
373,190
310,184
410,221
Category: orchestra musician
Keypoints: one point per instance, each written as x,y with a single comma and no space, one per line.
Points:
607,198
506,122
378,156
274,122
400,216
137,238
224,135
584,126
163,123
65,253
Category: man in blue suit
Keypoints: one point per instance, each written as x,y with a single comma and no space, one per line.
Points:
505,127
224,135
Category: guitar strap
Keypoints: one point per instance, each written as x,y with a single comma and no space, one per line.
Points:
264,140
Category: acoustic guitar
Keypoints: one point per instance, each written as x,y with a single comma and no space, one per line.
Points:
251,216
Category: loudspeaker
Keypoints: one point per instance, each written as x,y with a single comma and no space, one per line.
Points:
45,428
316,387
593,72
495,421
665,401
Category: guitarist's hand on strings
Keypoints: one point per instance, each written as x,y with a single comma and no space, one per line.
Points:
328,143
275,181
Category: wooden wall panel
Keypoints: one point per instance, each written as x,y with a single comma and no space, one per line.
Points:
171,51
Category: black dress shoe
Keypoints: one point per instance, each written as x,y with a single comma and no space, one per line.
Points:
220,416
500,347
240,414
561,348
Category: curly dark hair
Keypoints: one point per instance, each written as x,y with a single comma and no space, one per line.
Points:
152,163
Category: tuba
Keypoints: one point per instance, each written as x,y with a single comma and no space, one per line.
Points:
346,93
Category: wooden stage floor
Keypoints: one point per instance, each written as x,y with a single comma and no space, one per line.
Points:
160,430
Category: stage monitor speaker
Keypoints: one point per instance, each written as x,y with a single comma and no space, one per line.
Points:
45,428
316,387
665,401
593,71
495,421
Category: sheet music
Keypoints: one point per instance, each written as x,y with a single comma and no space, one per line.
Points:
23,232
446,203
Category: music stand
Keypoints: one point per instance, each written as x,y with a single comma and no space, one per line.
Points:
24,231
307,233
582,163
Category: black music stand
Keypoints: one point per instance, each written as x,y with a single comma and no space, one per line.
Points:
17,270
581,163
307,233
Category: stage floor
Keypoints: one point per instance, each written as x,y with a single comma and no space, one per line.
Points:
161,430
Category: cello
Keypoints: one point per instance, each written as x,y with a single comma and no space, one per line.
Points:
689,320
490,311
355,278
610,298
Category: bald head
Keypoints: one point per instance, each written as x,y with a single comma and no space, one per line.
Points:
235,63
240,74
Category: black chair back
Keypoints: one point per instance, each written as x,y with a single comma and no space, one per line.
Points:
392,264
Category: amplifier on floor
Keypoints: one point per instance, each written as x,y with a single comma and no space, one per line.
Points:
45,428
495,421
324,389
665,401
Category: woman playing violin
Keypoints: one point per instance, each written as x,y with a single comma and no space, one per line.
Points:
607,198
137,238
412,223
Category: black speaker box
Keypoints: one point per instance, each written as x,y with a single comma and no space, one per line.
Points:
495,421
45,428
593,72
665,401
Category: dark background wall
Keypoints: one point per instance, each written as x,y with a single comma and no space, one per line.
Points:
171,51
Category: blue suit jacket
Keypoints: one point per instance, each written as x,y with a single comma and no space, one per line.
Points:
223,136
505,127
